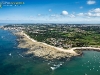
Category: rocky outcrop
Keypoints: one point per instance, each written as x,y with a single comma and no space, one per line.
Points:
43,50
46,51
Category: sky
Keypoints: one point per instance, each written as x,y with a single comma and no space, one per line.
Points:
50,11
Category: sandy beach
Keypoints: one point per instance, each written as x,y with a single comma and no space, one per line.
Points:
46,51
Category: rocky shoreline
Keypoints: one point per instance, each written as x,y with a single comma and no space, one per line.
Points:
40,49
46,51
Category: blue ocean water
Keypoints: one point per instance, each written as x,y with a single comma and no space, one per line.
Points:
13,61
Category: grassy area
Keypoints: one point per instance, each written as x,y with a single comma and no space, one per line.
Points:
76,36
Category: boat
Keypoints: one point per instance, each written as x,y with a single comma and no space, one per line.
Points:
10,54
53,68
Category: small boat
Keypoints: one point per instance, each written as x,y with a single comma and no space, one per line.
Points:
60,64
10,54
85,74
2,37
88,61
20,55
53,68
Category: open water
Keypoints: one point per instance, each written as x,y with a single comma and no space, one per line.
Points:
13,61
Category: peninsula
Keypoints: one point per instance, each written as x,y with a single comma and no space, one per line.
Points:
56,41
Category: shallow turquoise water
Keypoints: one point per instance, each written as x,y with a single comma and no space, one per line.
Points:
13,62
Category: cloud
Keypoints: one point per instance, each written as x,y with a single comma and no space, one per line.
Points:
90,2
64,13
53,15
57,16
93,14
39,14
72,16
97,15
97,10
81,7
89,14
50,10
80,14
30,16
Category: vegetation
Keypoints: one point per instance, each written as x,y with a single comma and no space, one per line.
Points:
62,35
74,36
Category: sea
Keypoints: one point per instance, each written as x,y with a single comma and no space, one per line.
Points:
14,62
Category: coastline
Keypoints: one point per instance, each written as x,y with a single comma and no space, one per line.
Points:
46,51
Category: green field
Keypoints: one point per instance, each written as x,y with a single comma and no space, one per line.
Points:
73,36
